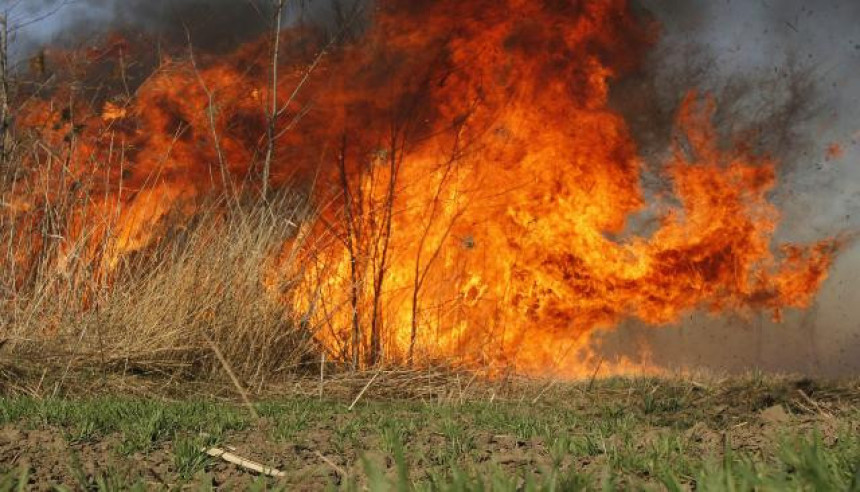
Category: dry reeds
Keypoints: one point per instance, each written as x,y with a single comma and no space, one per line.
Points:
164,310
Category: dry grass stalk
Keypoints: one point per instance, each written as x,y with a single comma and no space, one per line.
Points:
358,397
815,405
544,390
322,373
160,309
594,375
233,378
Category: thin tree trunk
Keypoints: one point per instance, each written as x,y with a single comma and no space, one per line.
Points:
376,321
351,245
4,92
273,110
421,274
210,113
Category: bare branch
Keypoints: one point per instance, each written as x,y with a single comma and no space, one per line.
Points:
4,91
273,112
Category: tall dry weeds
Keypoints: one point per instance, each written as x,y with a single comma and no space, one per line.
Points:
162,310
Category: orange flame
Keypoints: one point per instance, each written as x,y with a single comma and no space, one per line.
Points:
484,186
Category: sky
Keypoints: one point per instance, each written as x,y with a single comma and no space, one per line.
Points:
818,197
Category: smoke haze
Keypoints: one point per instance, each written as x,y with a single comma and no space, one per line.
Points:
788,69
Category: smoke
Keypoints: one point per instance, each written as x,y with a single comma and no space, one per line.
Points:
215,26
785,75
785,78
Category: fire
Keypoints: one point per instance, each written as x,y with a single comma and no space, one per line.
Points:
477,190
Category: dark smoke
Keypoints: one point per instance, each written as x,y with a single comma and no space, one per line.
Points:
215,26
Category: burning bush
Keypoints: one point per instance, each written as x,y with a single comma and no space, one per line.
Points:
471,180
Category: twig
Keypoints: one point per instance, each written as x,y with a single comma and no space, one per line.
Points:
594,376
273,116
544,390
363,390
232,375
468,385
4,91
330,463
242,462
72,357
322,373
814,404
37,392
210,112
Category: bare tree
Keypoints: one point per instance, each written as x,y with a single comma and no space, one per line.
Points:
422,268
272,111
352,241
381,249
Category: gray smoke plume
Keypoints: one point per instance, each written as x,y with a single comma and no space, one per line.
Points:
214,25
785,72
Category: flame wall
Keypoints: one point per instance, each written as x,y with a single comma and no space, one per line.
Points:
479,184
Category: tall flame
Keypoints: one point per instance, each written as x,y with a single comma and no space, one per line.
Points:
479,187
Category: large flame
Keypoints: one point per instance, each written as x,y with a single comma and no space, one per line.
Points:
477,189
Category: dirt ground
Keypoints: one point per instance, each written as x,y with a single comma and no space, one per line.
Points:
623,429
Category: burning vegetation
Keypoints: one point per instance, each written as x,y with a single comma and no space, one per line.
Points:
466,190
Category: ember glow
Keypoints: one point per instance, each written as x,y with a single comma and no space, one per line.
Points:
475,187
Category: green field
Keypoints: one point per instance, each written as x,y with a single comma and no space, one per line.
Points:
747,433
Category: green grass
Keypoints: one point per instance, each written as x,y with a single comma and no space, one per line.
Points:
141,424
638,436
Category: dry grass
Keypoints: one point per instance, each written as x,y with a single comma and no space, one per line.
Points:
171,310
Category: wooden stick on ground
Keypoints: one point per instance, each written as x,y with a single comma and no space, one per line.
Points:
242,462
